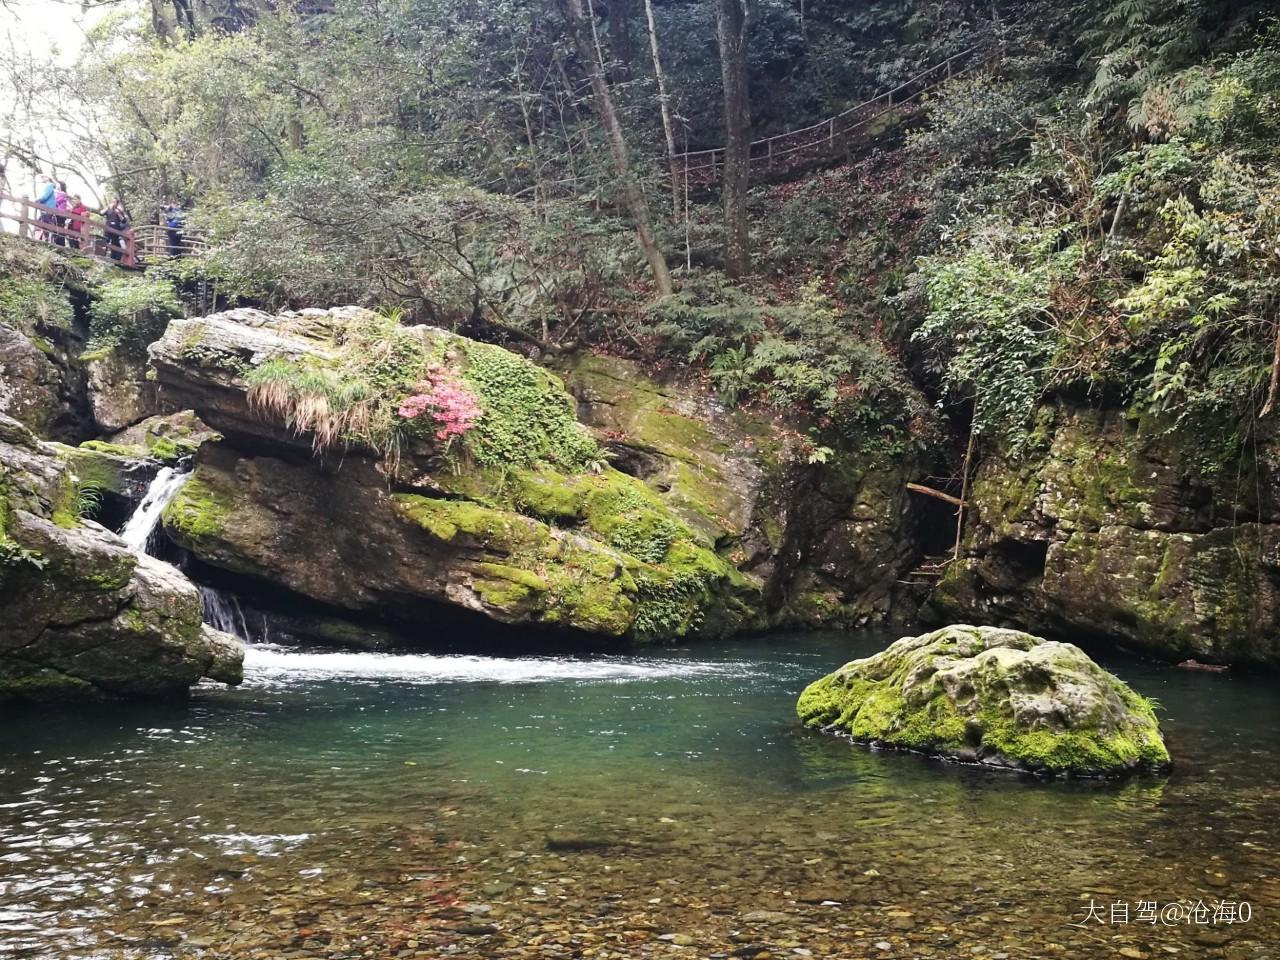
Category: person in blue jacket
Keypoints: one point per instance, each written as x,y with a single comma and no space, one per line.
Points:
46,201
172,213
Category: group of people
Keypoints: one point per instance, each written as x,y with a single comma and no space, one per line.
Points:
64,220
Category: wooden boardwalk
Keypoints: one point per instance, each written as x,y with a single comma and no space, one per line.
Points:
828,140
136,246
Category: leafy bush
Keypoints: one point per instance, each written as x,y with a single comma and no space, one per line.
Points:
990,319
130,313
27,303
801,357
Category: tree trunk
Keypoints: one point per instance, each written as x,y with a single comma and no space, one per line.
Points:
1273,388
589,50
664,104
732,23
620,36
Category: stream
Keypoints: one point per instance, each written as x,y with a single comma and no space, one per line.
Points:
660,804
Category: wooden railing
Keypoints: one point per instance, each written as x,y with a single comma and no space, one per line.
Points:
87,234
827,139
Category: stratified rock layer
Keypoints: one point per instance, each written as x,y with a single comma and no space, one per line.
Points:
993,696
79,612
1124,528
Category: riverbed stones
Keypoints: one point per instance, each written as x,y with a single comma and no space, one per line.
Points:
993,696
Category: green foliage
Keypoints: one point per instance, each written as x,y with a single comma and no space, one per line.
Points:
526,416
354,396
990,321
28,303
130,313
88,499
803,356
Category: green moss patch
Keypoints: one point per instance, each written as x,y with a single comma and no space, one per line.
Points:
197,513
995,696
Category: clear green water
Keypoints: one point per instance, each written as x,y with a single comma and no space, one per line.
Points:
351,805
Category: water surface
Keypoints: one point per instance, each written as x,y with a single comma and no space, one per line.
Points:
366,805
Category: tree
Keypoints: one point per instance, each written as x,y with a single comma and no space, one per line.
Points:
733,22
633,198
664,105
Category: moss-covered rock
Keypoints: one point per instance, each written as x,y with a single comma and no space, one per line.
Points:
1123,526
169,437
108,468
119,391
520,519
992,696
79,612
41,383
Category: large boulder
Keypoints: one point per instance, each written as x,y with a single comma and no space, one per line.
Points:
79,612
993,696
522,521
1124,527
611,502
119,391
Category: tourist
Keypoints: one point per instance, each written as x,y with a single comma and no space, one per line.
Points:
61,203
172,214
78,224
45,201
117,223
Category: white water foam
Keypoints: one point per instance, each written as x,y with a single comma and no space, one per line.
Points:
137,532
266,663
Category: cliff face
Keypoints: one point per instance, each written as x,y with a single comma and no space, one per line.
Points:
1120,527
660,515
82,614
615,502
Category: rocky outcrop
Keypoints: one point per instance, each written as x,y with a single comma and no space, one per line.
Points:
671,518
79,612
1118,526
529,527
828,541
992,696
41,385
119,391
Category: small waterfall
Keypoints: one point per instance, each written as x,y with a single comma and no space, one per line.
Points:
222,611
138,530
219,610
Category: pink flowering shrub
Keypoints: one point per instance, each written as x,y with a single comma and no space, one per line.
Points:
449,403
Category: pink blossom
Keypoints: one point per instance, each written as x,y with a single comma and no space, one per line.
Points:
450,404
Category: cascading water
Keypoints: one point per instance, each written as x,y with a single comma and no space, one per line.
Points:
222,611
138,530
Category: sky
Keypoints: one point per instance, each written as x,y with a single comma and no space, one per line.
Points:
57,28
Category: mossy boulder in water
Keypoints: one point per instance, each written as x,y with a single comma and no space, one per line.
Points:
993,696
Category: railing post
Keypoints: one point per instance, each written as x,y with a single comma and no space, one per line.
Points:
831,132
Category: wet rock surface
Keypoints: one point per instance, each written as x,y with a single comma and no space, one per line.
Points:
992,696
1121,527
80,614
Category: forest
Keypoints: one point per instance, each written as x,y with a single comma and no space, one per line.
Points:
543,478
